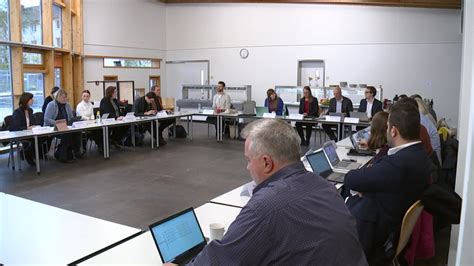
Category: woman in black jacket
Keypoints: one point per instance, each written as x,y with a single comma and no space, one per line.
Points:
308,108
24,119
110,105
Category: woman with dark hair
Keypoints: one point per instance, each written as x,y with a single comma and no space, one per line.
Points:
70,145
24,119
309,107
378,135
110,105
49,99
273,102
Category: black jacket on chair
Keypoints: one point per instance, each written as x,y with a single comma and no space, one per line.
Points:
107,108
376,106
19,119
346,106
313,107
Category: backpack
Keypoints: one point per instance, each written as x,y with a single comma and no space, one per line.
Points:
180,132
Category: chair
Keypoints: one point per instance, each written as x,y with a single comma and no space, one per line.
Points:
408,223
14,145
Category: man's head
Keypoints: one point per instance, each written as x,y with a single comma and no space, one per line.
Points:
156,89
220,86
270,145
403,124
337,93
150,97
370,92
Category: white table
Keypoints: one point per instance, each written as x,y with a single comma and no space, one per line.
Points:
232,198
141,250
35,233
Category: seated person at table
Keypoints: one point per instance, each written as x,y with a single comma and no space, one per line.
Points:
308,108
338,104
294,217
49,99
378,135
110,105
146,106
69,146
273,102
389,186
220,103
369,105
24,119
164,123
85,109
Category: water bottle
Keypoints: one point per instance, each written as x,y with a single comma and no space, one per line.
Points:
199,107
97,118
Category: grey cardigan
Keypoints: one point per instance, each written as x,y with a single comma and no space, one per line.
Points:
52,112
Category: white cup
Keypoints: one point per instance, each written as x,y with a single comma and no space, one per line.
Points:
217,231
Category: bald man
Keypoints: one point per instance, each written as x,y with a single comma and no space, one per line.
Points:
338,104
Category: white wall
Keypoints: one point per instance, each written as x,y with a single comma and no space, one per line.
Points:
129,28
461,248
406,50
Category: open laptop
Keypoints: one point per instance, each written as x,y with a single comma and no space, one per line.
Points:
320,164
329,149
357,150
361,115
260,110
179,238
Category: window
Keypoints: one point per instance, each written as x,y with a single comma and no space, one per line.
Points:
4,20
57,26
31,22
32,58
6,99
131,63
34,83
57,77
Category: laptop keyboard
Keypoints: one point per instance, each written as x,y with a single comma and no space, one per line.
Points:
343,164
336,177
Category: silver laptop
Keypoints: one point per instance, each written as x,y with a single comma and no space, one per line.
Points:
329,149
361,115
320,164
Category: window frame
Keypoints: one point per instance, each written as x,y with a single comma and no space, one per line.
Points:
44,83
155,62
40,24
55,4
12,96
8,23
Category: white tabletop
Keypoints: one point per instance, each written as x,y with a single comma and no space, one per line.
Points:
141,250
35,233
233,198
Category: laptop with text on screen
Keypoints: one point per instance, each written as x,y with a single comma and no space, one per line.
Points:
320,164
179,238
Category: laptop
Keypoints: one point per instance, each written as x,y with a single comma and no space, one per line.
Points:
260,110
320,164
179,238
361,115
105,116
329,149
357,151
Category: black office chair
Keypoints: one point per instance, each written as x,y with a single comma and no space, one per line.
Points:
14,145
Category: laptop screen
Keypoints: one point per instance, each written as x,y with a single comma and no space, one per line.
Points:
319,163
331,153
177,235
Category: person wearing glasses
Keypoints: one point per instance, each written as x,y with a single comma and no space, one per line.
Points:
369,104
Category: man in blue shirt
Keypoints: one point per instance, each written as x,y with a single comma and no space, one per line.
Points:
294,217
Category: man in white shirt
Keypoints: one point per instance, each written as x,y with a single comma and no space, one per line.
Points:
369,105
220,103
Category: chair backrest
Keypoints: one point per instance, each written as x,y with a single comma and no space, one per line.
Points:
39,117
408,223
7,122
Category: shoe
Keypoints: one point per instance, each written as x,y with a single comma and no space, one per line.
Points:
162,142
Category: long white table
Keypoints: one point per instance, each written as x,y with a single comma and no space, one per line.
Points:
141,250
232,198
35,233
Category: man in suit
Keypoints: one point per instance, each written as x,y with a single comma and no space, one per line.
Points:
370,105
338,104
387,188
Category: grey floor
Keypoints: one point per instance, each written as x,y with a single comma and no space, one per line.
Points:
139,186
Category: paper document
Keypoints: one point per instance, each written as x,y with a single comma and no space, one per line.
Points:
354,120
247,189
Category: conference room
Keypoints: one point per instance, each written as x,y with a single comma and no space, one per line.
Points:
183,132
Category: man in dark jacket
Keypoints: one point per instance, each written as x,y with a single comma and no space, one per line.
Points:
338,104
390,186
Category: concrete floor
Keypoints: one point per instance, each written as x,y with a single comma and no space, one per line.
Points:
139,186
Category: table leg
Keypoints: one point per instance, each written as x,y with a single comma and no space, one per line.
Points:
192,128
152,130
38,170
174,129
104,139
132,129
157,134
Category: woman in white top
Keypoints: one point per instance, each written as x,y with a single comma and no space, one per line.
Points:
85,109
